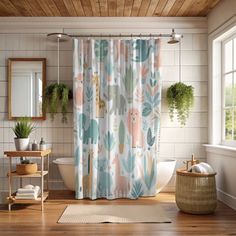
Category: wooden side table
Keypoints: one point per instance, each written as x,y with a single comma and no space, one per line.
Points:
39,174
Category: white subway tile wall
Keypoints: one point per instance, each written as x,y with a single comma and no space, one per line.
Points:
176,142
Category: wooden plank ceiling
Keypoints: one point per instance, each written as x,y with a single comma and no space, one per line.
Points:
106,7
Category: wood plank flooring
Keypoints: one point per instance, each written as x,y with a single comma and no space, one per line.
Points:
28,220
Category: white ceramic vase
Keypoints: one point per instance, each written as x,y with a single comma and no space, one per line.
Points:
22,144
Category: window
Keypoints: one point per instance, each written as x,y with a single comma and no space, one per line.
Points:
229,90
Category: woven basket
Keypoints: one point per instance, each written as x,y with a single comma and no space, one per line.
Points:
195,192
26,169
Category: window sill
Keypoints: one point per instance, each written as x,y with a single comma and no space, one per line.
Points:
221,149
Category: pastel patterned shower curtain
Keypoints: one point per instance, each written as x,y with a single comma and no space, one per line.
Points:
117,94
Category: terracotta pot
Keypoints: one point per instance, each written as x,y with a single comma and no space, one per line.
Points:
26,169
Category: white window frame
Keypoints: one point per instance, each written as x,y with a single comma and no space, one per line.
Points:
232,37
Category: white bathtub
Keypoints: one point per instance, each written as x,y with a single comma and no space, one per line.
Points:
165,170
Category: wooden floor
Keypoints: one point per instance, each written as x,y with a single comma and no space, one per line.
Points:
29,221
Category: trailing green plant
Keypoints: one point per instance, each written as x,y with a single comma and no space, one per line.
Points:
180,98
57,96
23,127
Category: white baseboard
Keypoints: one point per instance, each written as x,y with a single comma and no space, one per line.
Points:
226,198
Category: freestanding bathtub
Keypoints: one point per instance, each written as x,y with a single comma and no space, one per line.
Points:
165,170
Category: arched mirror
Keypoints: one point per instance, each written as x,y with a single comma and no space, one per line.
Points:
26,83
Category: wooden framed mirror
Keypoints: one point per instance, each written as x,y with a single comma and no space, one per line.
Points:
26,84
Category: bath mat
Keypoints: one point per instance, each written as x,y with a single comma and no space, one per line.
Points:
91,214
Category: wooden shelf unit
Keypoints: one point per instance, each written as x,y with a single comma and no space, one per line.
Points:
29,201
39,174
35,175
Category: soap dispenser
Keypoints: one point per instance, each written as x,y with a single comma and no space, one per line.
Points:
42,145
35,146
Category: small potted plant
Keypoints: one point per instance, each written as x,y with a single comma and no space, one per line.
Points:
22,130
180,98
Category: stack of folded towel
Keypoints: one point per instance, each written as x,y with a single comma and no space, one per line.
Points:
28,192
201,168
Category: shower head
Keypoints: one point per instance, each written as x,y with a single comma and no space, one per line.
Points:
175,38
58,36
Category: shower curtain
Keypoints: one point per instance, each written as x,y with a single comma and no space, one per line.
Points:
117,94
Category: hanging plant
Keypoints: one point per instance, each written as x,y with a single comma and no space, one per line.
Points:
56,97
180,99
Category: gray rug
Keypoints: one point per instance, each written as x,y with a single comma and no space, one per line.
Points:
91,214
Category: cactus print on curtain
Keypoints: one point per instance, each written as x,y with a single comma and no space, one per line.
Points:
117,96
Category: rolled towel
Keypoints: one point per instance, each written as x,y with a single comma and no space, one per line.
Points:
28,190
26,195
28,186
201,168
207,167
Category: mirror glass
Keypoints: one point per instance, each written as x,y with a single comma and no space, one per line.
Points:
26,84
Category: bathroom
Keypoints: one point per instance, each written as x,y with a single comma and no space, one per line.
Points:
21,38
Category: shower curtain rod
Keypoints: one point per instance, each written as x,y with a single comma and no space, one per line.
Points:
120,35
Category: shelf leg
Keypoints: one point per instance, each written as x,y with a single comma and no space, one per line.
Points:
42,182
21,185
48,172
9,182
9,206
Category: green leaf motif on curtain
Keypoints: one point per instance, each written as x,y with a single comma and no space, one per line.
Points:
149,175
121,136
130,83
147,109
89,94
150,138
156,99
137,189
109,141
101,49
141,50
129,163
154,78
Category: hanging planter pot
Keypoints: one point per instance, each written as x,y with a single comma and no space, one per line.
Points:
57,95
56,98
180,99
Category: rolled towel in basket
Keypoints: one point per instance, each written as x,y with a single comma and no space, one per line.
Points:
201,168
